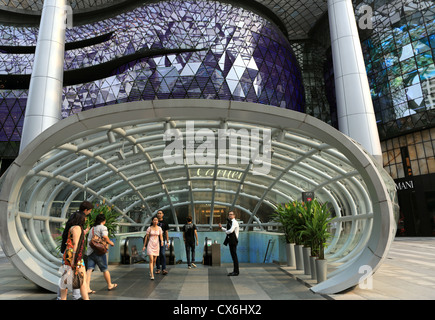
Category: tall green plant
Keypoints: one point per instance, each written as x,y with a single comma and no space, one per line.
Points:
111,217
305,215
292,221
111,224
316,228
284,215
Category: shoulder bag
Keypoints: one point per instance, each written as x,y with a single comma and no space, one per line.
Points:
98,244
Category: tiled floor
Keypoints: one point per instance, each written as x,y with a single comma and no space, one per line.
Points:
255,282
406,274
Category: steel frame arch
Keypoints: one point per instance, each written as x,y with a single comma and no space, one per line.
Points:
29,260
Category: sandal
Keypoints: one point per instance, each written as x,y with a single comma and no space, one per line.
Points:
158,271
91,292
165,272
113,287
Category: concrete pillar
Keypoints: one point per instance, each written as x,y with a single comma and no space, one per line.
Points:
44,102
356,117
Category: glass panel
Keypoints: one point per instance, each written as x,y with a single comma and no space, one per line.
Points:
225,70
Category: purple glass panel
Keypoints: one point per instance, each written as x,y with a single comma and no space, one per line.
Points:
246,58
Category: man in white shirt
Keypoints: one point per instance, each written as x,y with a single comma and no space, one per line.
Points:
232,231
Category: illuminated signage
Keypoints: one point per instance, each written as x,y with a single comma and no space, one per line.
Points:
204,146
307,196
221,173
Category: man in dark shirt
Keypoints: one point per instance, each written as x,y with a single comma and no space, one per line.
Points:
189,236
161,260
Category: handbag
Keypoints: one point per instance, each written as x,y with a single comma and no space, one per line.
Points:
77,279
98,244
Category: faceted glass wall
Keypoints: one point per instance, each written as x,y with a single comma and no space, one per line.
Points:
399,56
36,5
165,50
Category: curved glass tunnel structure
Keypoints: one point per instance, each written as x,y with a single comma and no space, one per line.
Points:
117,154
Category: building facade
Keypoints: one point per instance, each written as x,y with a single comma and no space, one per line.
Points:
129,72
399,52
232,53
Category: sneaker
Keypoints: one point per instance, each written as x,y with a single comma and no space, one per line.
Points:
189,267
193,265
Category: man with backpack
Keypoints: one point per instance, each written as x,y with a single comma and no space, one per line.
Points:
189,235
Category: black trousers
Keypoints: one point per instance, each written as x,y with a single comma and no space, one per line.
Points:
190,248
233,251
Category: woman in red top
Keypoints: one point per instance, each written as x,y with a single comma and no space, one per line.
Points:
73,257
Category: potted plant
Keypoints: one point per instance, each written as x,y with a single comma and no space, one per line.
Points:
292,221
109,213
306,212
316,229
298,223
284,215
310,239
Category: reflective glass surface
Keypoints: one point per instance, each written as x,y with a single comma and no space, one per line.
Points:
399,55
297,16
218,51
36,5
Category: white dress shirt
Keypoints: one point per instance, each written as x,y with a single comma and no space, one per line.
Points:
234,228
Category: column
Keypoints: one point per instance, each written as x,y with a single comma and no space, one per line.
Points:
356,117
44,101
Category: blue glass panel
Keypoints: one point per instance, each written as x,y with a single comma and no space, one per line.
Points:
406,51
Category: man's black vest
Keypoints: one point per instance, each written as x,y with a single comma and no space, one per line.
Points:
230,238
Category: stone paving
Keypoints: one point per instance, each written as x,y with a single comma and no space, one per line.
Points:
407,274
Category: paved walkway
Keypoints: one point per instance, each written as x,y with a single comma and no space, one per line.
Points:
255,282
407,274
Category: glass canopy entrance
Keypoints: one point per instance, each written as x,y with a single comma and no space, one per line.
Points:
200,158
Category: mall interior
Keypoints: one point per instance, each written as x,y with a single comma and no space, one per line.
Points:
128,104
